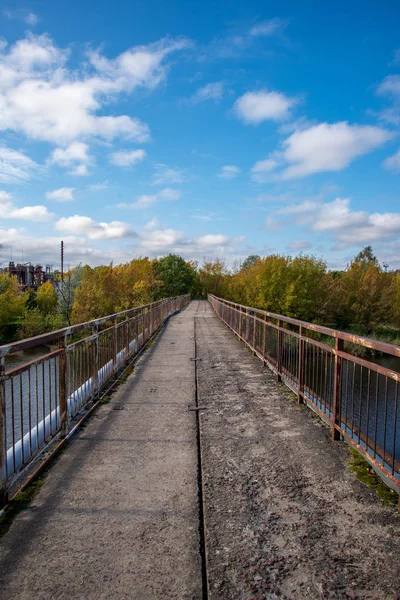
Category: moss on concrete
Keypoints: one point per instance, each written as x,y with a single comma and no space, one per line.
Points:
21,502
366,474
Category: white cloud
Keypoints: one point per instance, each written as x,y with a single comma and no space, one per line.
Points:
147,200
77,152
255,107
262,168
80,225
166,175
329,147
31,213
229,172
152,224
15,167
32,19
389,89
76,156
80,171
164,241
211,91
63,194
127,158
43,99
300,245
268,28
27,17
392,163
348,227
27,213
96,187
213,240
240,42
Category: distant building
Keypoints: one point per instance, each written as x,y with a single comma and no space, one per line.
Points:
29,276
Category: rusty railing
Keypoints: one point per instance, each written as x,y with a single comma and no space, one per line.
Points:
39,398
357,397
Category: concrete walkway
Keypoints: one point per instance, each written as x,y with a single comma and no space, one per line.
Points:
285,518
117,516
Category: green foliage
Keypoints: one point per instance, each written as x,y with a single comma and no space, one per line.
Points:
365,473
12,305
66,290
364,291
106,290
46,298
35,322
21,502
250,261
175,274
213,278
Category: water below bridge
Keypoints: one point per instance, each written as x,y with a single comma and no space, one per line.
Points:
246,497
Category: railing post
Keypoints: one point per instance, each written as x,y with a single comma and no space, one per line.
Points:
301,365
96,362
127,340
265,348
3,441
62,385
254,334
115,346
279,352
337,389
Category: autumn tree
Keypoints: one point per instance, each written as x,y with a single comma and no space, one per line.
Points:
66,291
213,277
364,291
12,305
47,299
175,274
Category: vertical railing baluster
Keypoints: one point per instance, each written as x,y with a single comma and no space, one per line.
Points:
127,340
300,371
62,385
96,385
279,352
337,389
3,441
114,346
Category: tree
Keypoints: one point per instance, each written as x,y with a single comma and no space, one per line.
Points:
363,290
35,322
12,305
250,261
175,274
47,299
213,277
66,291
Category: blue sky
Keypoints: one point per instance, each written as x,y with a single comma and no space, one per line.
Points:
210,129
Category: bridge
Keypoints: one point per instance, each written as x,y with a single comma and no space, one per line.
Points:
191,468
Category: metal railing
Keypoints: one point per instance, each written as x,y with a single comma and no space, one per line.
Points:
357,397
38,399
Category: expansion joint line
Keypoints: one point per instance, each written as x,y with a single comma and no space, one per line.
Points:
200,486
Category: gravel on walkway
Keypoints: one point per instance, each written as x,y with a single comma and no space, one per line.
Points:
285,518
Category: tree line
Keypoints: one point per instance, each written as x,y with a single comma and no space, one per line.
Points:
363,297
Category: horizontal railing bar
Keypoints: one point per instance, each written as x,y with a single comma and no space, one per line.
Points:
343,335
52,336
28,365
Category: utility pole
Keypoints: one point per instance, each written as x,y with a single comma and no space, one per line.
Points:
62,261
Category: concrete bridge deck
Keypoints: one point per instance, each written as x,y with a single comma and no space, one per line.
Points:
118,514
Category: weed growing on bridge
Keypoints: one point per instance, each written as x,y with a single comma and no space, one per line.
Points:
21,502
365,473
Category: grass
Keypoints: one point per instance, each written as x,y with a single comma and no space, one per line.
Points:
20,503
365,473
